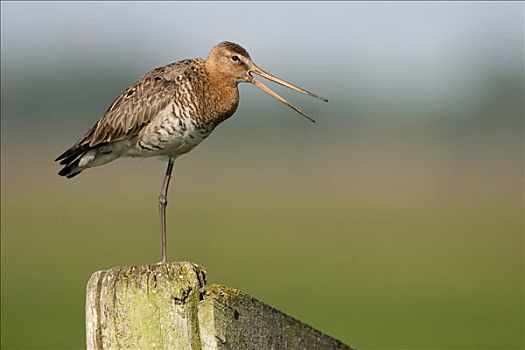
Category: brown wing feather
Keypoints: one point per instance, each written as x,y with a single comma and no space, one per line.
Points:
135,108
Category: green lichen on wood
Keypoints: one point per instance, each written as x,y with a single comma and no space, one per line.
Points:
168,306
240,321
145,307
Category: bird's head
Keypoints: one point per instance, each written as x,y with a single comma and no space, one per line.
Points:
232,62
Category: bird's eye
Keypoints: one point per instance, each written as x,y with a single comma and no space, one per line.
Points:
235,58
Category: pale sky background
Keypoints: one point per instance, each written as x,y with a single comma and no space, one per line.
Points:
71,59
429,44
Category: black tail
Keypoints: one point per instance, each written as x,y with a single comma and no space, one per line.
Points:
71,159
72,153
71,169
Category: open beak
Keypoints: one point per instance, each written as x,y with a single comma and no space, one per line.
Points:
266,89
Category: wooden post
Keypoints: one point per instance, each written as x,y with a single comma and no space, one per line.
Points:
168,306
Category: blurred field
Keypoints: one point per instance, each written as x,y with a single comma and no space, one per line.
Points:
395,222
429,257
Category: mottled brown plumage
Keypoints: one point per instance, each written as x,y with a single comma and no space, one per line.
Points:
169,111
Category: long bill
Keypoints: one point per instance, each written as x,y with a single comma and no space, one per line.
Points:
266,89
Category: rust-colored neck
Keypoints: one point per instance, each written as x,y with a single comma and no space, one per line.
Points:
224,89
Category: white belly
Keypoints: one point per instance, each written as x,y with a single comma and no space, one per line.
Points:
171,134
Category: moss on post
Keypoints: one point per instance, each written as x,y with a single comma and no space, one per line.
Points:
231,319
144,307
168,306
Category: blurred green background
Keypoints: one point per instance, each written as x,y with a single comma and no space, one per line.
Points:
395,222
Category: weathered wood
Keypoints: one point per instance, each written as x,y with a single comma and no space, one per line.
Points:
144,307
169,306
230,319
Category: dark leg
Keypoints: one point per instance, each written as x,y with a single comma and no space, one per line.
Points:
163,202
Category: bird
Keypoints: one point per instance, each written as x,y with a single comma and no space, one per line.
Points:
168,112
